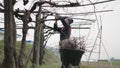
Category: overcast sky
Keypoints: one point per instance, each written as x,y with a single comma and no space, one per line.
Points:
111,32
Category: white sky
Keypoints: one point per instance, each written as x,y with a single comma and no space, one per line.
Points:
110,34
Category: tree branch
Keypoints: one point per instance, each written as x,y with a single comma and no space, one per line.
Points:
25,2
1,5
75,4
52,4
84,13
1,10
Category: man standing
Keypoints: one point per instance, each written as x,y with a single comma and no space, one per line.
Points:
64,31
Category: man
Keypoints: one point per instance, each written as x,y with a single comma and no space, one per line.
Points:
65,31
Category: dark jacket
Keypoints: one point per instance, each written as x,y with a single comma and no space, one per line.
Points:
64,31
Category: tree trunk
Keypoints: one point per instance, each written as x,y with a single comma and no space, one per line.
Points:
8,35
41,45
23,43
14,40
36,43
37,39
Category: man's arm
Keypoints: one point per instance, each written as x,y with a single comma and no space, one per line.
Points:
65,24
56,28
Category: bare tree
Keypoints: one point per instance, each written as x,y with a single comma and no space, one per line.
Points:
37,40
25,19
10,34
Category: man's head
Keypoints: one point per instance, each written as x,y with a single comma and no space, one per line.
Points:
69,20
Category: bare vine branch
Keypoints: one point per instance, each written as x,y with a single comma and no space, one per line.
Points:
75,4
1,5
52,4
25,2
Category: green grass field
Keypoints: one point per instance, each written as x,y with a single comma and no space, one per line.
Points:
52,61
100,65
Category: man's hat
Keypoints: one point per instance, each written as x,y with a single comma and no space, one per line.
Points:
69,20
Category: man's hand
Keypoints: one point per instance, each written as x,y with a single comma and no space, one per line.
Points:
57,17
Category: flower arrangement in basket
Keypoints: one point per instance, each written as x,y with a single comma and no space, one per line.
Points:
77,43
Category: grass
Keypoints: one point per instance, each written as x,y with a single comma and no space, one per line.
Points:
100,65
50,60
1,51
116,63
